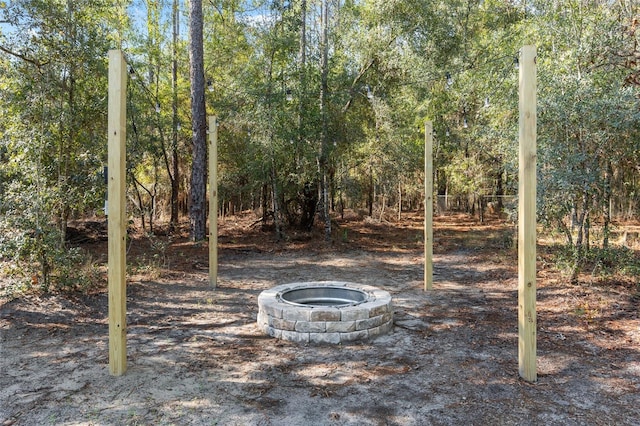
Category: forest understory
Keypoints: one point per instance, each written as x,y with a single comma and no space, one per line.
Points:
197,357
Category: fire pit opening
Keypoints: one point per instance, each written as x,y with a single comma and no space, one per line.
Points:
325,312
324,296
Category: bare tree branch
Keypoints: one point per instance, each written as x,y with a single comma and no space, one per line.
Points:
35,62
355,81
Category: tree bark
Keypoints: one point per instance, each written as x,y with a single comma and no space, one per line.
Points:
174,174
197,211
370,195
500,188
324,154
607,205
302,76
276,207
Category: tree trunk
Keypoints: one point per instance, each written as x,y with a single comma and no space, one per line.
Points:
309,203
383,204
441,201
264,205
65,160
63,168
566,230
399,200
370,194
579,249
324,154
197,211
581,219
173,177
587,232
276,208
139,203
302,76
499,189
607,205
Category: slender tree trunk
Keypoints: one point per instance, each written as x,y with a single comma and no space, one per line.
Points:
399,200
587,232
580,224
324,154
500,188
566,230
63,171
197,212
272,172
173,221
264,205
154,195
65,160
441,200
370,194
579,248
303,71
139,203
607,205
276,208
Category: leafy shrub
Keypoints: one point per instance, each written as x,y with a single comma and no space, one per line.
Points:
614,261
604,262
39,257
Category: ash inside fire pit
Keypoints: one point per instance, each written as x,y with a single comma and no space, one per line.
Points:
325,312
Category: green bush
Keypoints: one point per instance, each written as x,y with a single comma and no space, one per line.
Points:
39,257
603,262
614,261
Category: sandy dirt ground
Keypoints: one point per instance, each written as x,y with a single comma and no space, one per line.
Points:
197,357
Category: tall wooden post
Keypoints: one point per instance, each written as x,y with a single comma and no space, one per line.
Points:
428,205
117,219
527,217
213,201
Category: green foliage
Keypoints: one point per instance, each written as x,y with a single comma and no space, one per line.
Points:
35,245
387,72
601,262
40,258
52,135
588,117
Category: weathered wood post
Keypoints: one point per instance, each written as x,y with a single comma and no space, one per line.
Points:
428,205
213,201
117,220
527,216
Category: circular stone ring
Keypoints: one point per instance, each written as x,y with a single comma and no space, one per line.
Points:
325,312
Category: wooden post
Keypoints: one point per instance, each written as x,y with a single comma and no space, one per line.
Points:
527,216
117,219
213,201
428,205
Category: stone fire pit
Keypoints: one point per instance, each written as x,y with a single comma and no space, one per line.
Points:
325,312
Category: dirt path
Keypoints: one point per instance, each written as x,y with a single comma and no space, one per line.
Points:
197,357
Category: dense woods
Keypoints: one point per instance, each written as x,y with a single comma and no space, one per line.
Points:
321,105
